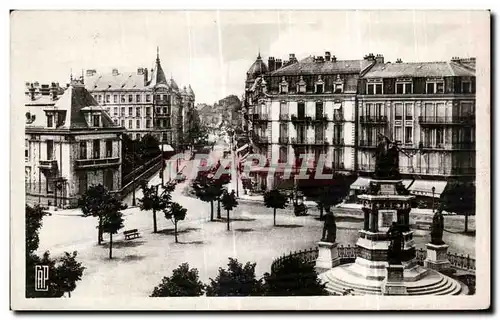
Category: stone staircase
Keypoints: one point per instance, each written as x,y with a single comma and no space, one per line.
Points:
339,280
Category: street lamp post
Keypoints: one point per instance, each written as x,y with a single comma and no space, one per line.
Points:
133,173
433,190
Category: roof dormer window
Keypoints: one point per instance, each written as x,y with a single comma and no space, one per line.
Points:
338,85
434,86
283,86
96,120
404,86
301,85
50,120
375,87
319,86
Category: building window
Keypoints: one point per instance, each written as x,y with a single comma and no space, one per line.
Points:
95,120
301,85
123,123
398,114
398,134
338,88
148,111
108,97
408,88
123,112
158,110
50,120
164,110
109,148
50,149
408,135
137,98
148,98
130,98
26,150
138,112
123,98
130,111
115,111
439,137
284,88
283,108
283,155
169,110
96,149
466,87
375,88
319,132
99,98
301,110
138,136
138,124
319,110
148,123
130,124
319,87
435,87
157,97
115,121
115,98
409,111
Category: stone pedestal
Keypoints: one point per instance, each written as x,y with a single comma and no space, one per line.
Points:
393,284
328,255
437,257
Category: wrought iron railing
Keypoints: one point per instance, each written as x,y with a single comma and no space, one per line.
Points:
446,120
373,119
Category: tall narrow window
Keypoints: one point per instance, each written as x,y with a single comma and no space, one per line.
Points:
430,87
408,111
83,149
301,110
26,150
50,149
148,98
115,111
370,88
138,98
123,123
138,111
439,137
283,109
50,121
398,114
96,122
408,88
96,148
319,133
137,124
399,88
115,98
130,124
122,98
109,148
398,134
130,111
440,87
283,130
378,88
408,135
130,98
108,98
319,88
319,110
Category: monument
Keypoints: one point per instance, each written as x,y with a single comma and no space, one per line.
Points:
328,255
385,250
437,250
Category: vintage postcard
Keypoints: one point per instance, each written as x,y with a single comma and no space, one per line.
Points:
250,160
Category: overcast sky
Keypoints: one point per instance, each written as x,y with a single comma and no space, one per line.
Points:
212,50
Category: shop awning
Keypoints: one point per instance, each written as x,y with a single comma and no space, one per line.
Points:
361,183
166,148
424,188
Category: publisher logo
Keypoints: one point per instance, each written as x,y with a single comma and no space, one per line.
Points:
41,277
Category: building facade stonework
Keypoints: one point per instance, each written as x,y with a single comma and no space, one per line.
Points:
322,105
144,102
70,144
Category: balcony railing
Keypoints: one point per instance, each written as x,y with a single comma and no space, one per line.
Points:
96,163
367,143
283,140
449,146
320,141
338,141
47,164
373,119
431,120
298,141
284,117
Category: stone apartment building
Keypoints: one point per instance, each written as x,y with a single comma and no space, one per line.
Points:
304,107
429,109
338,107
71,144
143,102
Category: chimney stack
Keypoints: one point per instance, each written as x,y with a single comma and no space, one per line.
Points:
334,59
271,64
91,72
32,92
140,71
369,57
146,76
53,91
398,60
115,72
292,58
455,59
379,58
279,64
328,55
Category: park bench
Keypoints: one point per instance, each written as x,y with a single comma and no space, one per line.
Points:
131,234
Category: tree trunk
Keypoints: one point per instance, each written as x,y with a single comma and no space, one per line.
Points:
69,294
466,222
111,245
211,211
321,213
274,216
175,232
228,220
99,231
218,209
155,229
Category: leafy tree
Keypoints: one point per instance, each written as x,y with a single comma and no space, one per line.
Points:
175,213
184,282
94,202
237,280
63,273
149,147
294,277
113,220
155,200
205,190
460,198
276,200
69,271
218,183
229,202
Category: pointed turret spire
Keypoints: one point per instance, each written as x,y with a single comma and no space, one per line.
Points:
158,76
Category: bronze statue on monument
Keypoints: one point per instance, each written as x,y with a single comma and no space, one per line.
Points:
437,228
395,235
329,228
